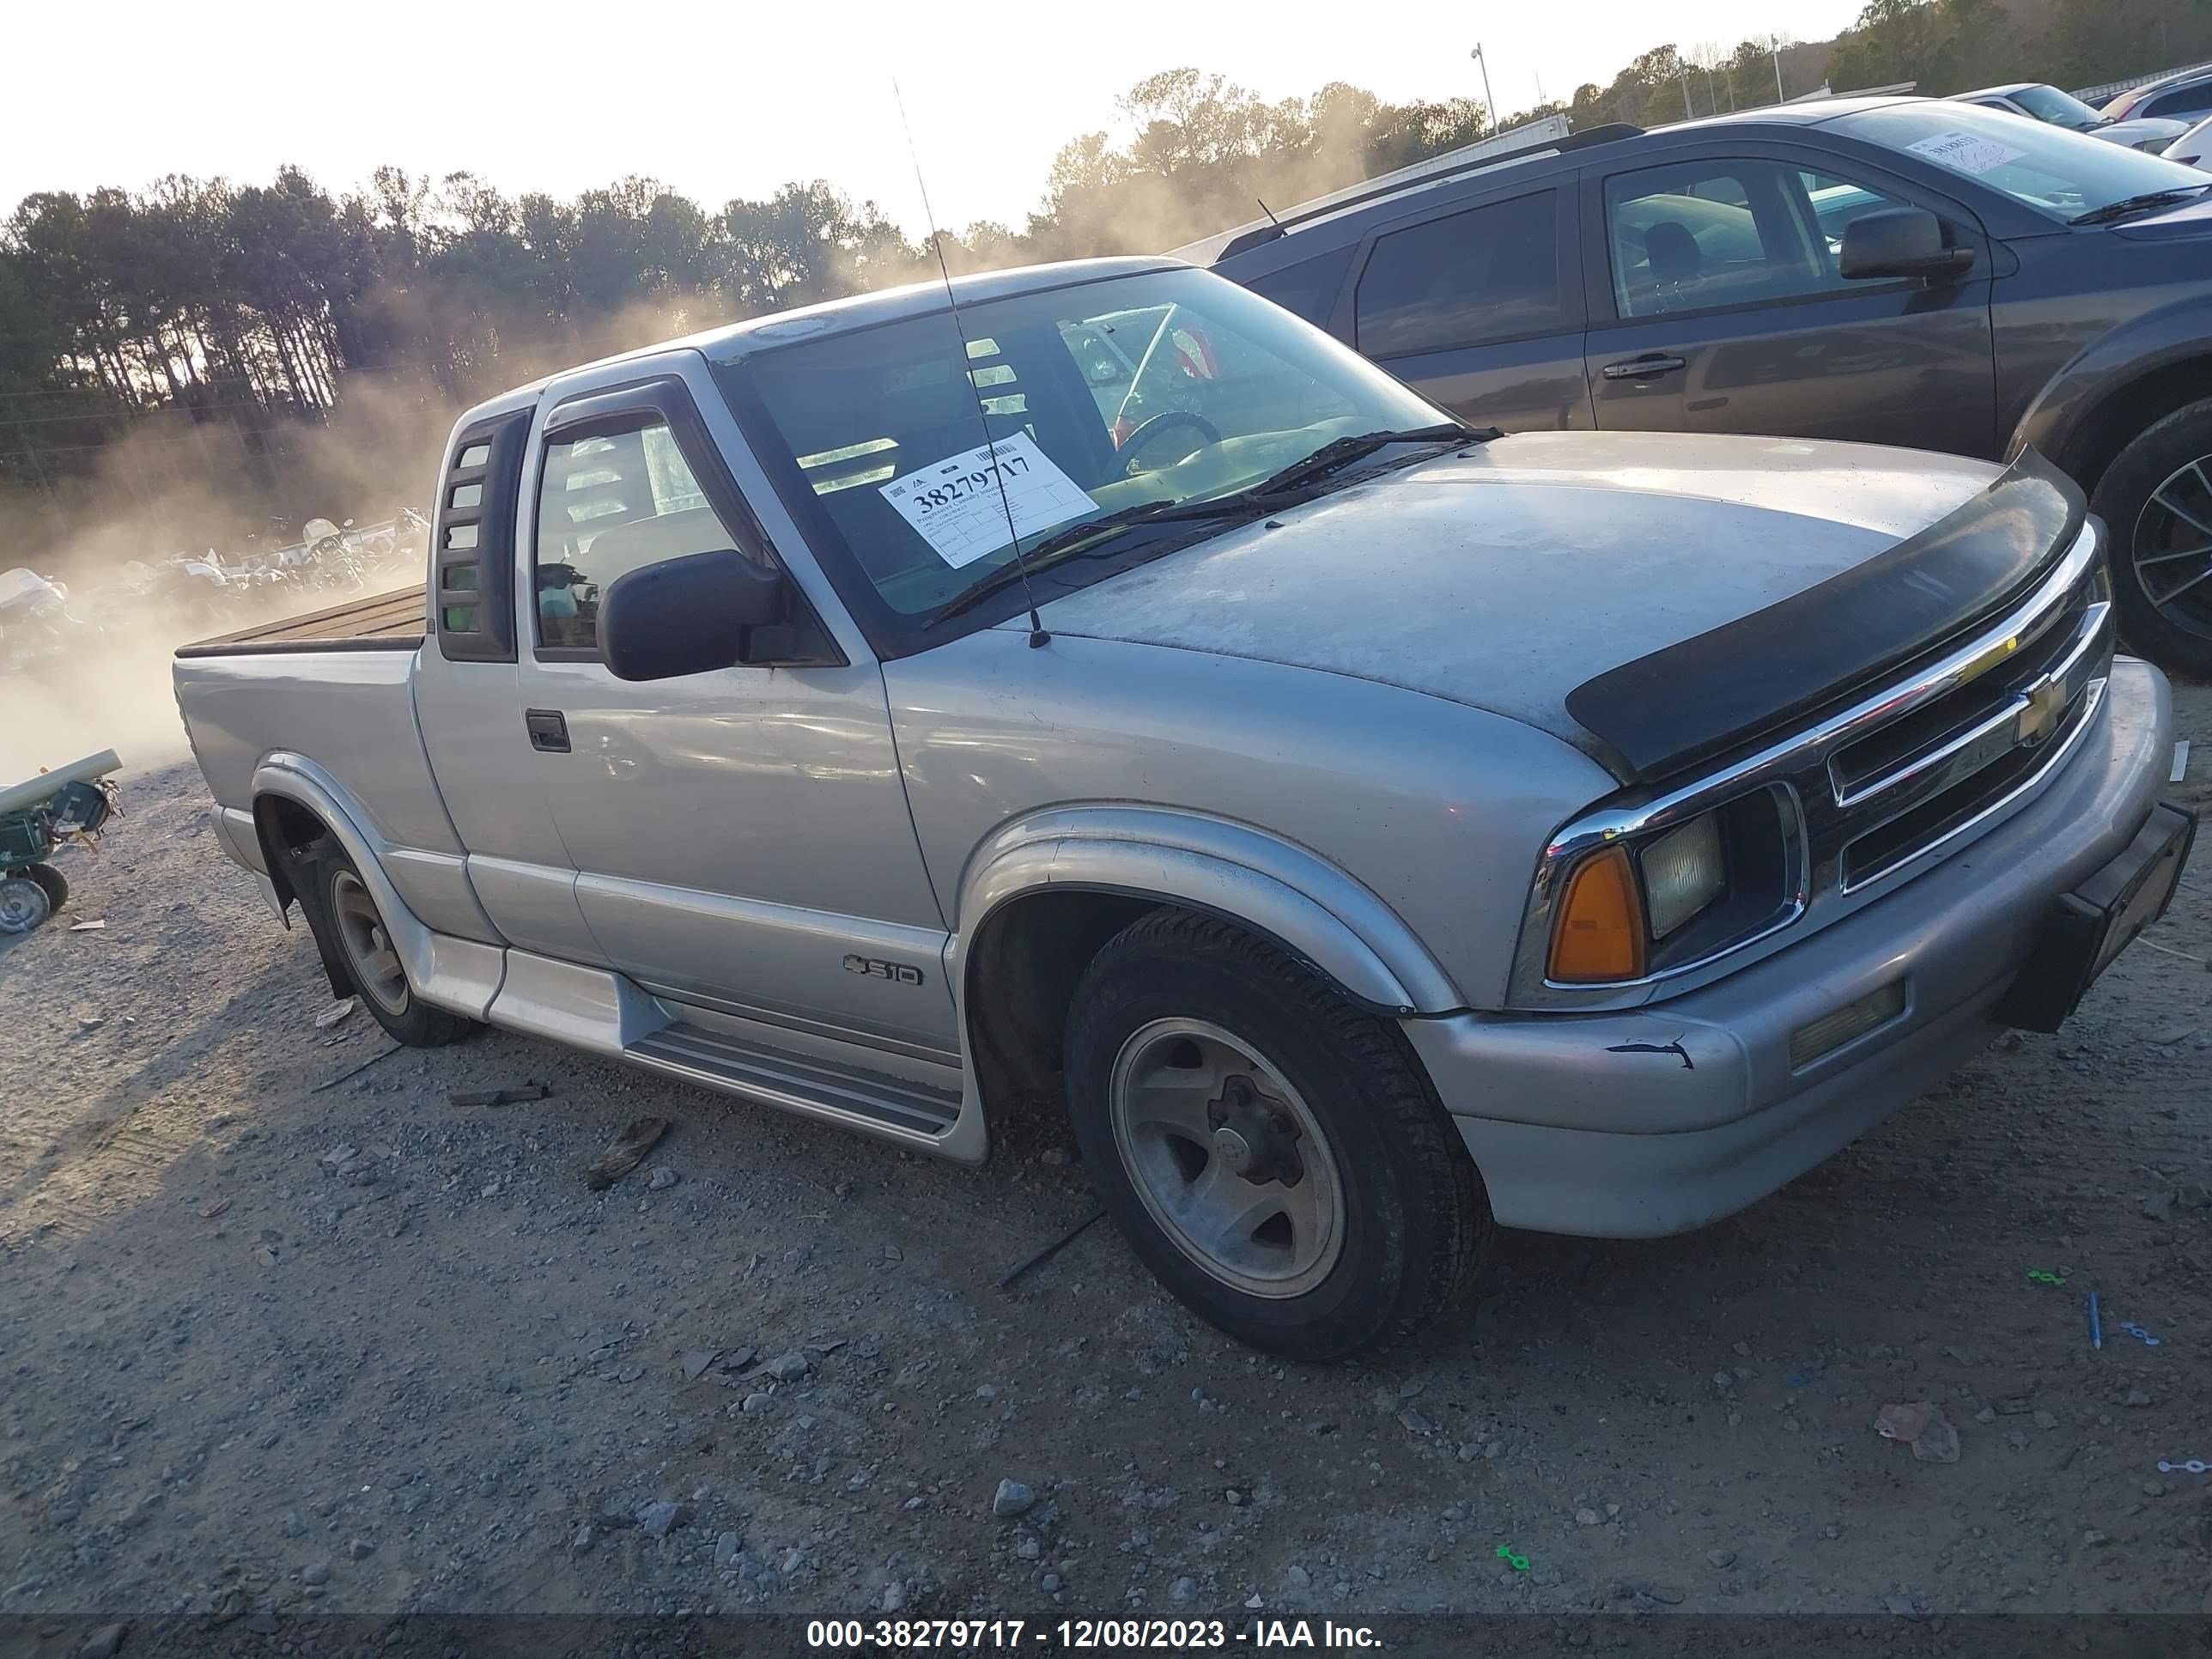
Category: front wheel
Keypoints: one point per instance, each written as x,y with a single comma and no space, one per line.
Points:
1270,1150
23,904
2156,501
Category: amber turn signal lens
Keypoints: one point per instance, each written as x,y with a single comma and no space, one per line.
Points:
1599,934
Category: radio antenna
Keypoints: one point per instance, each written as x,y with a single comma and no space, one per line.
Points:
1270,212
1037,635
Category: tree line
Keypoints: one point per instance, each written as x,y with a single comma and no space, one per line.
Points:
251,308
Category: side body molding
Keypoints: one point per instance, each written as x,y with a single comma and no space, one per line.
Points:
460,974
1263,882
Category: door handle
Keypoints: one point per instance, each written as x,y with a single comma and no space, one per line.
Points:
548,730
1639,368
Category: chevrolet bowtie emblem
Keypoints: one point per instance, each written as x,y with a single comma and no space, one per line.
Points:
2046,701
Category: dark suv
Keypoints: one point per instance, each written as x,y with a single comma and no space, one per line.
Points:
1895,271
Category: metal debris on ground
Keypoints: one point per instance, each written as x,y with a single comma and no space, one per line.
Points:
2141,1335
87,927
625,1152
2042,1278
1903,1422
1053,1249
336,1011
499,1097
332,1082
2194,1466
1921,1425
1518,1563
2180,762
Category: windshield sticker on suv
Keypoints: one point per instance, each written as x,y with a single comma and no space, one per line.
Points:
1966,152
955,504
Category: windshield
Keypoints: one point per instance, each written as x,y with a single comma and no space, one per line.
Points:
1173,386
2049,103
2062,173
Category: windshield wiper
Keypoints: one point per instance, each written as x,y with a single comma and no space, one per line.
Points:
1339,453
1068,541
2143,204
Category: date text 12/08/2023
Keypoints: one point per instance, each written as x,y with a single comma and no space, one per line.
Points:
1083,1635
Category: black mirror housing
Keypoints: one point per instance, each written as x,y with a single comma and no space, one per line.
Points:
687,616
1898,242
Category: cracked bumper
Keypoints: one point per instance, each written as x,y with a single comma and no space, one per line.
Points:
1654,1122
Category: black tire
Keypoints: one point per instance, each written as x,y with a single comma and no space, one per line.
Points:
331,878
2177,635
53,881
1415,1221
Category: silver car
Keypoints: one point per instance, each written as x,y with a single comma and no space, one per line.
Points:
1371,831
2043,103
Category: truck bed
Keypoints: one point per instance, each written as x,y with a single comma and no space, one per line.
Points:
378,622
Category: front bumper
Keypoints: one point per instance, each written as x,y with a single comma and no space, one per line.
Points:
1659,1120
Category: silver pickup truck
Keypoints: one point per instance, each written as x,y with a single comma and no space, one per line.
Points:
907,711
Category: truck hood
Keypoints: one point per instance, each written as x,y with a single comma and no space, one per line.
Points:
1507,576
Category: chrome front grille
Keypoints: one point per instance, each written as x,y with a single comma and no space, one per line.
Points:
1884,787
1924,776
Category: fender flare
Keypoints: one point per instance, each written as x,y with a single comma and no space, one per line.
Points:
1277,888
2066,407
430,960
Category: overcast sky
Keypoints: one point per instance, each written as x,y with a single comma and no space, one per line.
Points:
724,100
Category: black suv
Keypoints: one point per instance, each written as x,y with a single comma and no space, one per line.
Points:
1894,270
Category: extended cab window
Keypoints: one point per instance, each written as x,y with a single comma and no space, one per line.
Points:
1491,273
1700,235
607,504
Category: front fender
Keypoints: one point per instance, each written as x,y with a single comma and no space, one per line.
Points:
460,974
1261,881
2061,419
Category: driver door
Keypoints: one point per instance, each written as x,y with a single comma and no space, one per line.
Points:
741,836
1716,304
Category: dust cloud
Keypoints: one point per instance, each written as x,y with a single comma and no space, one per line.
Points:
167,491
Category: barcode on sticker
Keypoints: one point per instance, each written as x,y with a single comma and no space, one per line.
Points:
962,505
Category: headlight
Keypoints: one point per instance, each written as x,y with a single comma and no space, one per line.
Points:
1621,902
1683,872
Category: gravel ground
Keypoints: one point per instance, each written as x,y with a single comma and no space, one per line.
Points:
284,1329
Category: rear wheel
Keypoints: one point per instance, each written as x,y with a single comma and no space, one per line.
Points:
347,916
56,883
1269,1150
23,904
2156,501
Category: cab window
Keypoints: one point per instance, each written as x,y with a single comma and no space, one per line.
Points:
1705,236
607,505
1489,274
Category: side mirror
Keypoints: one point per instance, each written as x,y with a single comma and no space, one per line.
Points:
687,616
1900,242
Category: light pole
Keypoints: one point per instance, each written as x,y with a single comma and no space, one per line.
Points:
1774,44
1489,103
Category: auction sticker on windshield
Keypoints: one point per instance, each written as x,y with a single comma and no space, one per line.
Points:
956,505
1965,152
